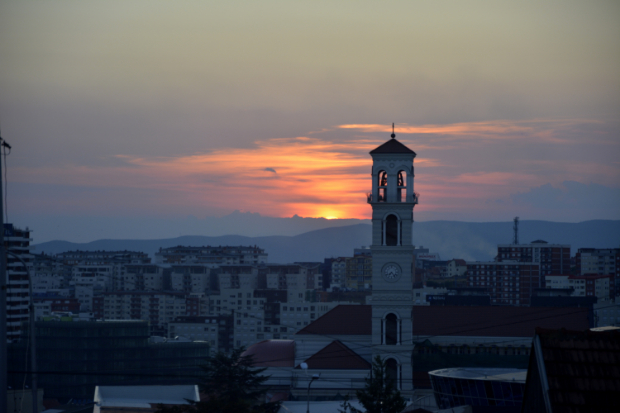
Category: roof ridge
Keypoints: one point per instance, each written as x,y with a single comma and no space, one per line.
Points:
392,146
324,353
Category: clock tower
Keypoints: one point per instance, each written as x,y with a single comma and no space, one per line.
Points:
392,200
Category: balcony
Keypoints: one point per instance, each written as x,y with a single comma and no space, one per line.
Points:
413,199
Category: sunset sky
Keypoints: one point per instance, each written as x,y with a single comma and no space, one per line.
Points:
167,109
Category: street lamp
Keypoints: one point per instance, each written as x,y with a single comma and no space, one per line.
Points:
314,377
304,366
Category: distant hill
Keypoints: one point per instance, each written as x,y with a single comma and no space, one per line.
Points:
451,239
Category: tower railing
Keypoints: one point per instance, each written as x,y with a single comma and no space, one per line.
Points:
371,199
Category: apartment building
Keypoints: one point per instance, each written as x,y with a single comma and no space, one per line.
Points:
607,314
212,256
455,268
197,304
601,261
358,272
49,273
103,257
552,258
217,330
507,283
582,285
292,277
145,277
17,242
231,300
338,273
190,278
157,307
90,281
238,277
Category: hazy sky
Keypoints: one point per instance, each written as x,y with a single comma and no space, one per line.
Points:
120,109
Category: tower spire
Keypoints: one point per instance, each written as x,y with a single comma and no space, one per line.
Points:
393,135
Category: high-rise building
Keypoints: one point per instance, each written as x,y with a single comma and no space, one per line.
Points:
17,243
582,285
392,200
74,356
212,256
600,261
552,258
507,283
359,272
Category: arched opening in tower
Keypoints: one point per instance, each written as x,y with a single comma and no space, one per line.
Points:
391,329
391,230
402,187
382,186
392,370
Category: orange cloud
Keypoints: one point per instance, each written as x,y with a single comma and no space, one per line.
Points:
279,177
545,129
316,177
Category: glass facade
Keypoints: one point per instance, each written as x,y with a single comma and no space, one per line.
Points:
451,391
75,356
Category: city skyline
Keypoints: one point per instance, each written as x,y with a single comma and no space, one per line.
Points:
126,110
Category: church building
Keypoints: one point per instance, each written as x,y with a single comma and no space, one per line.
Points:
332,356
392,200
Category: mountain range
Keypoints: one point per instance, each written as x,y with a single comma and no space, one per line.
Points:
450,239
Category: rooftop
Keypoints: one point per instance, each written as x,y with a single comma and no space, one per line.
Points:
342,320
272,353
144,396
477,373
582,369
337,356
497,321
392,146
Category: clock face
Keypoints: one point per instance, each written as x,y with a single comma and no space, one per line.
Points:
391,272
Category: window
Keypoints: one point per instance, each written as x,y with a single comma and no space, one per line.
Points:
391,329
391,230
392,371
382,186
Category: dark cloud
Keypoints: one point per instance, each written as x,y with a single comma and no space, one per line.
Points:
270,170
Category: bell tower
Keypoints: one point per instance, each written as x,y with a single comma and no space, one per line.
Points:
392,200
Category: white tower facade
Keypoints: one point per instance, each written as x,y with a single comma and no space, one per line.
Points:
392,200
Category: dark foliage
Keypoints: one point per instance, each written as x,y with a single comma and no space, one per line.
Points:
380,394
231,385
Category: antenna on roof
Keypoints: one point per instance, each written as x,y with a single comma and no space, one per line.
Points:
515,228
393,135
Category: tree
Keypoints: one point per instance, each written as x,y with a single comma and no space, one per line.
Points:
346,406
231,385
380,394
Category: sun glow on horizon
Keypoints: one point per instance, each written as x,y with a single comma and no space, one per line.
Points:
320,177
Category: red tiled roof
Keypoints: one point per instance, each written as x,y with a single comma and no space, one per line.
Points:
337,356
583,369
496,321
392,146
342,320
272,353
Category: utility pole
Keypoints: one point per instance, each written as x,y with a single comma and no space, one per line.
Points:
3,291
